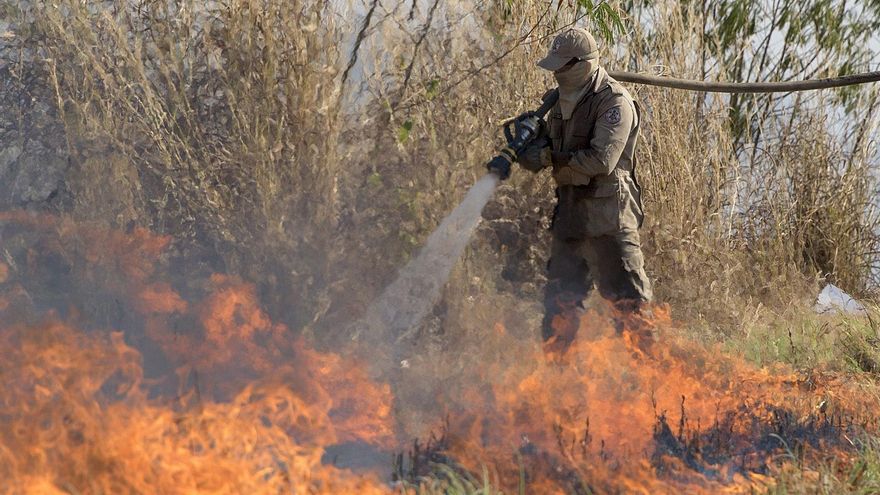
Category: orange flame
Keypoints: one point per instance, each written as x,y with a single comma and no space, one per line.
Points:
257,409
65,431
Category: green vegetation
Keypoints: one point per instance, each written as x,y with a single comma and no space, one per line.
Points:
807,341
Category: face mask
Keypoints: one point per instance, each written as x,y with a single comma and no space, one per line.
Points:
574,83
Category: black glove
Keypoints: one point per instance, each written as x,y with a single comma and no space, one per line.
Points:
536,156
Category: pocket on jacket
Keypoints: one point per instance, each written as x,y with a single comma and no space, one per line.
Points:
580,138
602,215
589,215
604,188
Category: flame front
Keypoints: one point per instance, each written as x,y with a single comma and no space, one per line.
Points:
248,407
78,421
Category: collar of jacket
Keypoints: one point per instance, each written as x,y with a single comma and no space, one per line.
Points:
601,81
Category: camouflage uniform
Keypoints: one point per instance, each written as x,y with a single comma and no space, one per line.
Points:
599,210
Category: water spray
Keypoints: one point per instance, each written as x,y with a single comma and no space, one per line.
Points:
406,302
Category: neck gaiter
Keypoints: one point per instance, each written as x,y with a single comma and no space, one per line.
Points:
574,84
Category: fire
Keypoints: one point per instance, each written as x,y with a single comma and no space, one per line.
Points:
78,420
202,392
594,414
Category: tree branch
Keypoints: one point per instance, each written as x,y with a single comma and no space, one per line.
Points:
424,33
357,44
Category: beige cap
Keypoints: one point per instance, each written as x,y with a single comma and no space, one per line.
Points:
574,43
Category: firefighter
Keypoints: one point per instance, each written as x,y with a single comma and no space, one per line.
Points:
589,144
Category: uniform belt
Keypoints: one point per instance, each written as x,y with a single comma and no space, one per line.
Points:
594,185
566,176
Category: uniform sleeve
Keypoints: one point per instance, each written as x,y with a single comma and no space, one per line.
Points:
610,134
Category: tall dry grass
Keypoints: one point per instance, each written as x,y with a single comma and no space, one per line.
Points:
742,233
230,127
217,122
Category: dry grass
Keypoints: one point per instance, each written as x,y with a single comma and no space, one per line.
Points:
230,127
731,235
220,124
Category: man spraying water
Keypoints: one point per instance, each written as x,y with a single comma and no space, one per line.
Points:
589,143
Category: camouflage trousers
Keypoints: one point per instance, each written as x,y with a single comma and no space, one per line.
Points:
612,261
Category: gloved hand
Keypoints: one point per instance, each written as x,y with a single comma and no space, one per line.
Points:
536,156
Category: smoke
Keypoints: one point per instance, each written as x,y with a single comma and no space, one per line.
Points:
406,302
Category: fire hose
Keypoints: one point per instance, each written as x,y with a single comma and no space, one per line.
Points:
521,131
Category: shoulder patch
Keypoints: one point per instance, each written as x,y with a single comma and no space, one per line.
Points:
613,116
